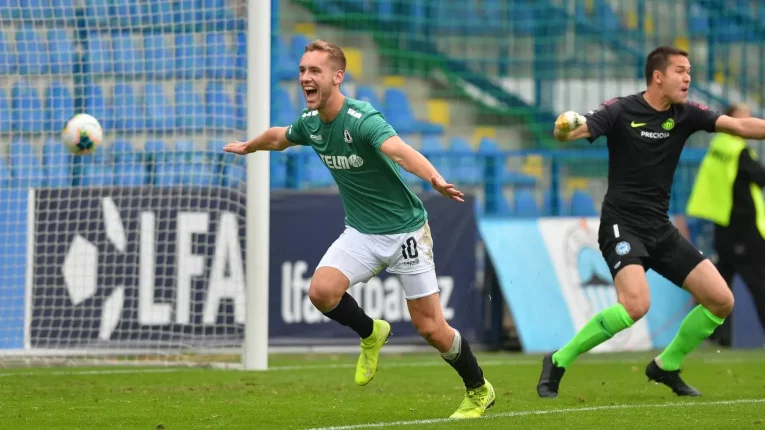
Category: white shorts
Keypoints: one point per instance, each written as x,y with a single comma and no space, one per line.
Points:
362,256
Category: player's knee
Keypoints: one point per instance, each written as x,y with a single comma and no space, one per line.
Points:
325,291
636,305
433,331
722,303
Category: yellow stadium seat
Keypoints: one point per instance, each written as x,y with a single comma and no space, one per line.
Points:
682,43
438,111
393,81
306,28
481,132
354,62
632,19
648,25
533,165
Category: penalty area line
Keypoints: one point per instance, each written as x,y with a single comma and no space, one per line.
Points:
542,412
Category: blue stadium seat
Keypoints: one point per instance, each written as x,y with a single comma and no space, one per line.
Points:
122,150
63,10
582,204
220,60
434,150
285,110
26,166
62,51
59,106
127,113
525,203
130,173
221,112
240,99
189,109
189,57
9,9
216,15
161,13
27,111
547,210
6,121
188,14
192,167
154,150
369,95
158,57
398,111
286,68
297,48
35,9
97,13
278,164
32,53
5,174
95,104
57,163
127,13
97,174
698,21
159,113
128,60
235,172
241,56
99,54
7,56
463,162
318,175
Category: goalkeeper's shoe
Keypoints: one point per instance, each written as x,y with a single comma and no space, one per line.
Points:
670,378
477,402
549,380
366,366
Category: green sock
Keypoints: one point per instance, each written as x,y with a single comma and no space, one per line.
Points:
598,330
697,326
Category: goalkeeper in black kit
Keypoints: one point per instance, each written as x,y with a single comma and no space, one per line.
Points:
645,135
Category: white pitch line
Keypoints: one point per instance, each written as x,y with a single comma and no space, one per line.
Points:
541,412
384,365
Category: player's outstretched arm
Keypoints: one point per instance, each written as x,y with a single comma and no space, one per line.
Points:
748,128
415,163
570,126
273,139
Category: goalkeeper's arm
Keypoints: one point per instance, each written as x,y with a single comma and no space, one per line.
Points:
273,139
570,126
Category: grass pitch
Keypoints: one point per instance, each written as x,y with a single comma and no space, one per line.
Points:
410,391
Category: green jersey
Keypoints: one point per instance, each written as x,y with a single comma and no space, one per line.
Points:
375,197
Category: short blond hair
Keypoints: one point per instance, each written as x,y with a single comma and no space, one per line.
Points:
335,53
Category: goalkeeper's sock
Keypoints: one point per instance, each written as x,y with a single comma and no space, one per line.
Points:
697,326
598,330
461,358
349,313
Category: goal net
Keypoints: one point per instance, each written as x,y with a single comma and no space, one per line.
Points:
138,249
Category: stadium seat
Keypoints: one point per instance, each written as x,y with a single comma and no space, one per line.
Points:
61,50
189,57
240,62
8,59
285,110
123,151
127,113
221,112
216,15
220,59
95,104
32,53
698,21
99,50
26,166
159,113
318,175
399,113
240,99
59,106
127,13
27,111
235,172
161,13
97,13
278,166
582,204
63,10
6,121
97,174
57,164
9,10
187,14
525,203
463,162
128,60
434,150
35,9
369,95
286,68
129,174
189,108
547,209
158,57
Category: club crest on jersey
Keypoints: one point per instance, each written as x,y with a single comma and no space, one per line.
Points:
347,136
622,248
668,124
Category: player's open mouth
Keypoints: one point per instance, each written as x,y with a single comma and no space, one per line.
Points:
310,92
684,90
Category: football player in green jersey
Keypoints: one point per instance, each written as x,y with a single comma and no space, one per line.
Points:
386,223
